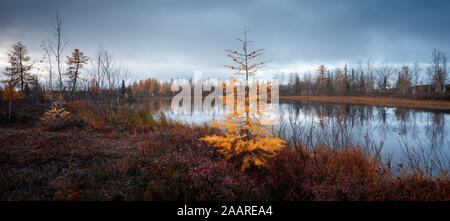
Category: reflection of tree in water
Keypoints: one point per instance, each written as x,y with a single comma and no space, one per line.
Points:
381,126
155,105
352,114
328,111
320,113
382,115
413,128
361,114
429,154
422,132
402,115
340,114
297,107
435,129
346,123
369,112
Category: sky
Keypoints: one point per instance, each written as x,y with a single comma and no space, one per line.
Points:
169,39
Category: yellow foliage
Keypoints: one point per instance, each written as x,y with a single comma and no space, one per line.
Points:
15,95
245,138
55,113
94,88
125,95
47,94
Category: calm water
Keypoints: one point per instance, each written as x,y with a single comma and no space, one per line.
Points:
422,133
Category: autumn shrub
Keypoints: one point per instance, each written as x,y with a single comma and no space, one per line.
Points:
25,112
325,174
181,177
286,177
109,113
144,120
139,119
185,169
10,93
245,141
58,118
82,111
168,164
118,117
172,164
417,188
102,117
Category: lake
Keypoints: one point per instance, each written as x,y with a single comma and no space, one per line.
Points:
397,133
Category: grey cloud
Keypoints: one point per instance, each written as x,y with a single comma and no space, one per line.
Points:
165,38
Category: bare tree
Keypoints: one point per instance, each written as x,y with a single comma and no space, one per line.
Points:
370,80
47,59
403,80
244,59
416,69
437,71
106,77
384,73
57,46
245,63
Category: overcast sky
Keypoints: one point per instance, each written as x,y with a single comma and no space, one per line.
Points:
175,38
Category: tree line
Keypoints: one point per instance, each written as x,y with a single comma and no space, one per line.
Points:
102,79
368,79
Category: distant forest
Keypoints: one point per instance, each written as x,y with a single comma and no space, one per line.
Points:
411,81
406,81
80,76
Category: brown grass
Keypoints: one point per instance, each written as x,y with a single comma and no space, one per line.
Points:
377,101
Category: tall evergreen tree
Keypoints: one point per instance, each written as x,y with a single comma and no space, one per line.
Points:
75,63
123,89
20,65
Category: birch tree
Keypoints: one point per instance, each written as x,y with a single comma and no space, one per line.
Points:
56,47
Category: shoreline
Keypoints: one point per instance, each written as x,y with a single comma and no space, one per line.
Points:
373,101
376,101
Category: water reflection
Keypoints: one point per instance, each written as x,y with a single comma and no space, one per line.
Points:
342,124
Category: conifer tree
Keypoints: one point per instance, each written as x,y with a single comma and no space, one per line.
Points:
246,139
20,65
75,63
